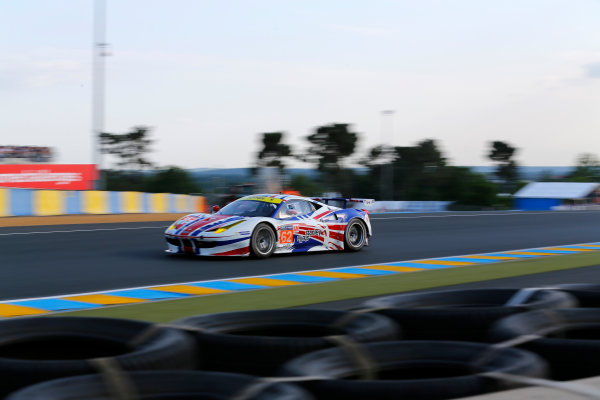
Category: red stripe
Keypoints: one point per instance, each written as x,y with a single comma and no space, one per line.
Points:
321,215
237,252
336,236
337,227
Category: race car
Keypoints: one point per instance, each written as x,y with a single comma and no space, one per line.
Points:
263,224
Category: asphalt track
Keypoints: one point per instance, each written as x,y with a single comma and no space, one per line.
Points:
63,259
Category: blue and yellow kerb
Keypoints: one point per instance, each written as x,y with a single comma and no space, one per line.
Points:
47,305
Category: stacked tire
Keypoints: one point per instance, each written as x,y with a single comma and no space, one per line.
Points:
433,346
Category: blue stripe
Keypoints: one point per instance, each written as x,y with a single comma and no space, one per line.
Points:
146,294
21,202
73,202
302,278
363,271
473,260
417,265
227,285
55,304
114,203
511,255
171,203
146,203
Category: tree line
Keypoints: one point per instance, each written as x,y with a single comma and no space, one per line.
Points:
418,172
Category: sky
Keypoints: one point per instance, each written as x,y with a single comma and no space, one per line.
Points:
209,76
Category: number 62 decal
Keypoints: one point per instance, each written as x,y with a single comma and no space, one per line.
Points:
286,237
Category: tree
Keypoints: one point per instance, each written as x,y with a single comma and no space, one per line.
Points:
306,186
587,169
129,148
330,145
273,151
172,180
507,170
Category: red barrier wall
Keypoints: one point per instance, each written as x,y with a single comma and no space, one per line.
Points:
48,176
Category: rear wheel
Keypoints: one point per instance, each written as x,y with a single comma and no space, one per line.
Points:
262,243
355,235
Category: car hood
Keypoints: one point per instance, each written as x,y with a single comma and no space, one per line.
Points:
195,224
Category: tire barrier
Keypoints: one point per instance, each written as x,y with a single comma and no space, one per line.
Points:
464,315
569,339
38,349
161,385
424,370
330,353
259,342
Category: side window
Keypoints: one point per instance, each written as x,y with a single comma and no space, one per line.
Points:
329,218
294,208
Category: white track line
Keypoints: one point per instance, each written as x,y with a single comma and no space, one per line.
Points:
82,230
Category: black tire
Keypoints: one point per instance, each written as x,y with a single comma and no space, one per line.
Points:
464,315
161,385
38,349
571,342
424,370
259,342
262,242
355,235
587,294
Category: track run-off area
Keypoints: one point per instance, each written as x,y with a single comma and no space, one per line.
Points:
39,261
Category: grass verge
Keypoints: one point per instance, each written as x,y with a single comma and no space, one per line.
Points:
291,296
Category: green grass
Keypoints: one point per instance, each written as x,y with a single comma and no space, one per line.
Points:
290,296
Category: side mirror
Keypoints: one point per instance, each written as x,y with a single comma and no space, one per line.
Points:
215,208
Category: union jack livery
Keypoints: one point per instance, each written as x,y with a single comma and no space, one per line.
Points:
263,224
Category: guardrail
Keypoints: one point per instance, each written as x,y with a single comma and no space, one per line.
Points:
32,202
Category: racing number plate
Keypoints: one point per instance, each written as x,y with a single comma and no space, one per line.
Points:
286,237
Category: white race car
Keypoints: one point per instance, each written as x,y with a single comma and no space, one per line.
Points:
264,224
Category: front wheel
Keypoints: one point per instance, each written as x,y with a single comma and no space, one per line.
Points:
355,236
262,242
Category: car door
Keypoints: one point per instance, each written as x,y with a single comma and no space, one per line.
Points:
303,232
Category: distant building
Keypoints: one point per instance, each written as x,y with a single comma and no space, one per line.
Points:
552,195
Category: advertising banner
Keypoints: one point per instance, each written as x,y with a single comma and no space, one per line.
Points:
48,176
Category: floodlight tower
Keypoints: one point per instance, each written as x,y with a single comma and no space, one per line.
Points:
100,50
387,149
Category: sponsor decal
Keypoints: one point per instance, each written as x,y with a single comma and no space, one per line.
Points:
48,176
314,232
244,233
296,228
287,228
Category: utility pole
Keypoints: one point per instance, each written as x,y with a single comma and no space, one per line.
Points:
99,51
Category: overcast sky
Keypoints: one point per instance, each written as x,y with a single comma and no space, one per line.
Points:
209,76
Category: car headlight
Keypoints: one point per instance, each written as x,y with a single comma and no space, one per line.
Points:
224,228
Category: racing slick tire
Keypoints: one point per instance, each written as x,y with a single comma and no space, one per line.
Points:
355,236
262,242
427,370
568,339
259,342
39,349
160,385
462,315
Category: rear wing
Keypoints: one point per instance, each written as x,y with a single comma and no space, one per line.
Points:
342,202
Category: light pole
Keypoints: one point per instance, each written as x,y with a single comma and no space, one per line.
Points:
99,51
387,150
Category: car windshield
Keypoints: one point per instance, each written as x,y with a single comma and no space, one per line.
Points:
249,208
